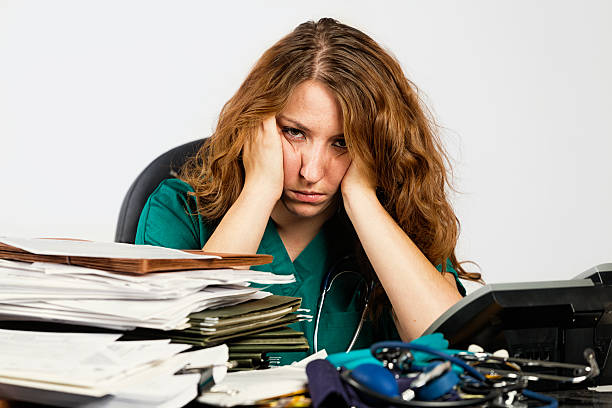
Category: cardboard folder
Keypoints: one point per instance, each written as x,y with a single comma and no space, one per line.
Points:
100,255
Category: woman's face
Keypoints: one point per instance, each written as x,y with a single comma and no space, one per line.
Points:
315,157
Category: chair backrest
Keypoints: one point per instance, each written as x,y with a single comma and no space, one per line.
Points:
165,166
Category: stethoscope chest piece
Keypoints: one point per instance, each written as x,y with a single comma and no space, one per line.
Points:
377,378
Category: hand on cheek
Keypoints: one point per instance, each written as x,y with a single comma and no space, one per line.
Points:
263,160
358,179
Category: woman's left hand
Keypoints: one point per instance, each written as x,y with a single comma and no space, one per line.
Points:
417,291
359,179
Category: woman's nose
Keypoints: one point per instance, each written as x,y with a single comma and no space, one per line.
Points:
313,164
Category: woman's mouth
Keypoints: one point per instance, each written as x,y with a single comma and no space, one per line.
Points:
308,196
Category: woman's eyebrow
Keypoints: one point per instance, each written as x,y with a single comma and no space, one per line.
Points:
294,123
302,127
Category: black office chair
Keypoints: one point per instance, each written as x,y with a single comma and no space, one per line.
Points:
165,166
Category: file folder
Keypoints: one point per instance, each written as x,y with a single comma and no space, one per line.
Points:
254,311
199,338
71,253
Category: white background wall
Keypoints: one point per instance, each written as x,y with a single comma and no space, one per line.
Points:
91,92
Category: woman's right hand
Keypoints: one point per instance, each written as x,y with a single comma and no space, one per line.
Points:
243,225
262,157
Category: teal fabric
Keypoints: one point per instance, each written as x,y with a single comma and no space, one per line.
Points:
170,219
435,341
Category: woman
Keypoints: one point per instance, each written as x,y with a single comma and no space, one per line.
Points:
325,154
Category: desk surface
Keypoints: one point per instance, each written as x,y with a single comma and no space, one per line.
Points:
582,398
567,399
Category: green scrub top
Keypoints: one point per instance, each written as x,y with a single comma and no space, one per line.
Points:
170,219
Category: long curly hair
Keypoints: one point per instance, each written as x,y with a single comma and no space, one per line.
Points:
385,124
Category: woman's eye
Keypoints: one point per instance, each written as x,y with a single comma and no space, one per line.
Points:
340,143
292,132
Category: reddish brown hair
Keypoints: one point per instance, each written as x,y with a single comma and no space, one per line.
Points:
385,124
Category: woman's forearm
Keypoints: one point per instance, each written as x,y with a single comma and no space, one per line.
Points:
241,229
417,291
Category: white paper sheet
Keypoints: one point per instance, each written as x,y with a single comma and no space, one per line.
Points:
148,309
98,314
246,387
161,392
122,379
222,275
80,359
23,283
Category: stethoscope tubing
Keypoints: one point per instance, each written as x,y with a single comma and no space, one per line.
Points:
552,402
327,281
429,350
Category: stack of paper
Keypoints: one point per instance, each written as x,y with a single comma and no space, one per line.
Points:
72,294
251,329
86,296
40,281
95,370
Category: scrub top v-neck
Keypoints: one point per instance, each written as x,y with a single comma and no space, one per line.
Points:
170,219
342,309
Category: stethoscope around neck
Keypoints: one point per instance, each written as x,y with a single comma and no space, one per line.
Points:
332,274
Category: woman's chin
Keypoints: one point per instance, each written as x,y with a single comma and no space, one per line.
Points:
306,210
